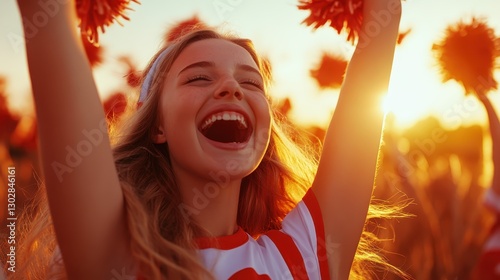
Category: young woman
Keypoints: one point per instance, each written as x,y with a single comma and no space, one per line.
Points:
203,181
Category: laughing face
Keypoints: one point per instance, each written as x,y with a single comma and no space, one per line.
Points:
214,114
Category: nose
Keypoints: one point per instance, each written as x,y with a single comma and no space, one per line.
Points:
229,88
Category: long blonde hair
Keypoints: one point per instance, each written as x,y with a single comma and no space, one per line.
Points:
161,236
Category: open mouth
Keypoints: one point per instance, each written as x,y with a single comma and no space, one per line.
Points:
226,127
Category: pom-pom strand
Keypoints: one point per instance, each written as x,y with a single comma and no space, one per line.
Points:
339,14
95,15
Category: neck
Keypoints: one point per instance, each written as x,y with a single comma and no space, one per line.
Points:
212,204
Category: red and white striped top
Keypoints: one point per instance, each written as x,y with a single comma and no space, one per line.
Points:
298,251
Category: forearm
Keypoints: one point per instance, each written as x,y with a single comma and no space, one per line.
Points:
59,71
66,100
344,181
494,128
359,115
85,199
372,59
64,92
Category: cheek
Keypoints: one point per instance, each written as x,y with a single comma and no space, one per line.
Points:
263,118
262,111
180,110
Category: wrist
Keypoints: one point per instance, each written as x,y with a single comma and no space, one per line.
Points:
41,12
373,9
44,18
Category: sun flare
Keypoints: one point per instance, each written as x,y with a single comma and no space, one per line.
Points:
404,109
412,93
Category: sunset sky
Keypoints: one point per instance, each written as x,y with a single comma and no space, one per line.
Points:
293,49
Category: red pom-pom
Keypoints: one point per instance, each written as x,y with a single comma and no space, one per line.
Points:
25,135
133,75
95,15
468,53
330,72
284,106
93,52
7,118
183,27
114,106
402,36
340,14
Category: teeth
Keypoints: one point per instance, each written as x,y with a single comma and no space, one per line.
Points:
227,116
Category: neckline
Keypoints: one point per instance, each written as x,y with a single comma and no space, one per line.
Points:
225,242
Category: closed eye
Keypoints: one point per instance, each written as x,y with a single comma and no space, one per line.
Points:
198,78
253,82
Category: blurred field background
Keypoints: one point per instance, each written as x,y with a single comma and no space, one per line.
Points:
436,147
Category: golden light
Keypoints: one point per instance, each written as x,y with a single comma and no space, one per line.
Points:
395,105
405,108
414,86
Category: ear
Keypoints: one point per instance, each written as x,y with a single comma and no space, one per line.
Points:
159,137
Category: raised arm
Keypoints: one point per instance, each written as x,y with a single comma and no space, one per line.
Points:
345,177
84,194
494,124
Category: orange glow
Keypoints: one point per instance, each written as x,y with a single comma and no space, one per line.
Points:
397,106
406,111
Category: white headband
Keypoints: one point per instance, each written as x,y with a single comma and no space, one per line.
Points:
149,76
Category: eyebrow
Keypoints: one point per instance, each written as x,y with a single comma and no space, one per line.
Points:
249,68
202,64
211,64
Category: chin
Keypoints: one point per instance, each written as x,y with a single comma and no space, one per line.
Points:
235,168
